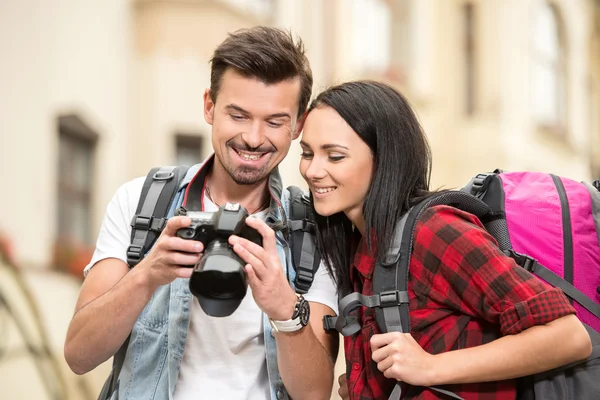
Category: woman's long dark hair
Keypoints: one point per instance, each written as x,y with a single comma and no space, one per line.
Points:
385,121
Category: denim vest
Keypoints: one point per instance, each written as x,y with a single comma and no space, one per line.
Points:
155,351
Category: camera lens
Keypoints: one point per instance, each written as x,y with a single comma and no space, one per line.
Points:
221,285
189,233
219,280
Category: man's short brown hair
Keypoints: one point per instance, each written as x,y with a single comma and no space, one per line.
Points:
265,53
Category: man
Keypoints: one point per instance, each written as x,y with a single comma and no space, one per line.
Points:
260,86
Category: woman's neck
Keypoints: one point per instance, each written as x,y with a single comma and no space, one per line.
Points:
358,220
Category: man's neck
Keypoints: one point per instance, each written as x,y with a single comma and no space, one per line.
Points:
223,189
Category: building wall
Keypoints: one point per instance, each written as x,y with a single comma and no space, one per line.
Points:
502,132
58,57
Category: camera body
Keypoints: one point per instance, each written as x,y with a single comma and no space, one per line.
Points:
229,220
219,279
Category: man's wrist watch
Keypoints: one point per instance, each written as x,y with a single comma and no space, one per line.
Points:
299,318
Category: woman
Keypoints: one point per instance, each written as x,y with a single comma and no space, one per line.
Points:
477,319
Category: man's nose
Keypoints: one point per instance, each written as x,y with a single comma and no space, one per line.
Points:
255,135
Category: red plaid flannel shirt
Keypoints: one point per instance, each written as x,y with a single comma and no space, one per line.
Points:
463,292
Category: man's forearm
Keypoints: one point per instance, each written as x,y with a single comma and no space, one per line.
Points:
100,327
306,367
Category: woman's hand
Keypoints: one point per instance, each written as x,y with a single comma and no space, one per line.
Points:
399,356
270,288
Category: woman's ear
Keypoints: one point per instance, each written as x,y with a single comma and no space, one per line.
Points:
299,125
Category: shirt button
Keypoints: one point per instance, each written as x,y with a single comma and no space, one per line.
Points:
355,366
280,395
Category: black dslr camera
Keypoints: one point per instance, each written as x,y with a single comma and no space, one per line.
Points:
219,278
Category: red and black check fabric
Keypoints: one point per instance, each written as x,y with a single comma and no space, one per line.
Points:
463,292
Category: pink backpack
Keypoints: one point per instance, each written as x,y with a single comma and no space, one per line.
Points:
551,226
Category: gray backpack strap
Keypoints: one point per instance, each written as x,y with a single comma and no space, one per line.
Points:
305,255
112,382
391,275
159,189
150,218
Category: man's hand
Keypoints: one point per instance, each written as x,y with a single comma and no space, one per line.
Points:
400,357
270,288
343,390
171,257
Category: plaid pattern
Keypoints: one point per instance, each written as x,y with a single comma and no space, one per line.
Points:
463,292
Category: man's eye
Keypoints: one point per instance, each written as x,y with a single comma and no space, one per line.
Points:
305,155
236,117
275,124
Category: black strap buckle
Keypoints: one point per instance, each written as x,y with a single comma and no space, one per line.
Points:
391,298
523,260
304,279
134,254
329,322
480,183
153,224
304,225
596,184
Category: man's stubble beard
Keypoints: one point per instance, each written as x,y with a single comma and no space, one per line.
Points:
248,176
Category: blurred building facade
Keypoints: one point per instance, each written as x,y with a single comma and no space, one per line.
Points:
95,93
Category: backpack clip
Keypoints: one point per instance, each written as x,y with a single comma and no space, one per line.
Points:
329,323
304,225
524,261
392,298
480,184
153,224
135,254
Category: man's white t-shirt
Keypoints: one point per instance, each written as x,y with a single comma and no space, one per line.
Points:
223,358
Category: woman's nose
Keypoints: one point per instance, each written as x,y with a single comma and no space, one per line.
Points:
315,170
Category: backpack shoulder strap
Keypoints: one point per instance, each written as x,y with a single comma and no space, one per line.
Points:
150,218
390,278
305,255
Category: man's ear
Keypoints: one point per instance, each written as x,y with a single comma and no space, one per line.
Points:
209,107
300,125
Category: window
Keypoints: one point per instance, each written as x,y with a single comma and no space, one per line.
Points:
549,73
188,149
469,57
371,35
75,179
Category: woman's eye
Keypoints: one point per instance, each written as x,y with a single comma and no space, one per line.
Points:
305,155
336,158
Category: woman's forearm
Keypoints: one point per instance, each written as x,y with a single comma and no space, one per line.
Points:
534,350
